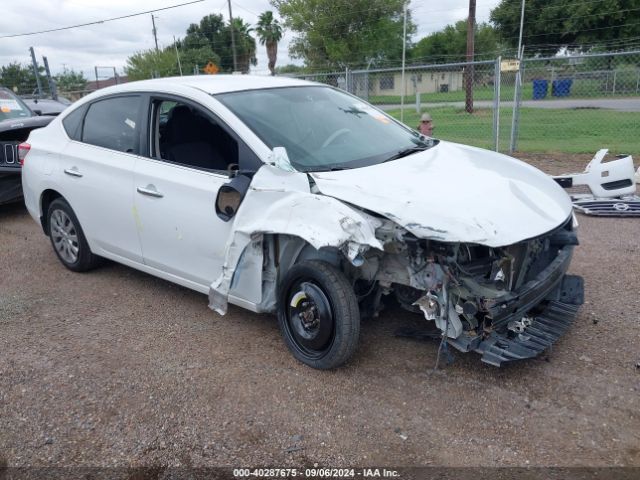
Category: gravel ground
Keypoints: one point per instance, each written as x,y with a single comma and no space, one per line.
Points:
117,368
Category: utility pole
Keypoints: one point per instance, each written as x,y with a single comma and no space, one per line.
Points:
521,26
155,32
471,30
35,71
175,44
404,57
233,39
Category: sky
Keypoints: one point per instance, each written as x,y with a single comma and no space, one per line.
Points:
109,44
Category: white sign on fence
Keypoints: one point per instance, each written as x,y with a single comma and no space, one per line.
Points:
509,65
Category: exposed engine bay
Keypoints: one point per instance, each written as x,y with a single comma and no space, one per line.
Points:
489,271
489,300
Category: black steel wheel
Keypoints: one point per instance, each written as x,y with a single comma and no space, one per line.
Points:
318,314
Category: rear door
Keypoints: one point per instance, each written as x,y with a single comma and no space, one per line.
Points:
176,186
97,173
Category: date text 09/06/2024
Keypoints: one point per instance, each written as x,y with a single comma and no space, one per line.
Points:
315,473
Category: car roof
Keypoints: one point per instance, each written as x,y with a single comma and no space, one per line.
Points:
214,84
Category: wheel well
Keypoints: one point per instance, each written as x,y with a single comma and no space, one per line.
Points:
46,198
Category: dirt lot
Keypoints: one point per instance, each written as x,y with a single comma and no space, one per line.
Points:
115,367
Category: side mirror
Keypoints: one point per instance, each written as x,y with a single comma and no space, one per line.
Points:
233,169
230,197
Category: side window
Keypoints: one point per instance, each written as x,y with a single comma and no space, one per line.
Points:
72,123
188,136
113,123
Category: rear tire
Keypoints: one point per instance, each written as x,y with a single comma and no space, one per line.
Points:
318,314
67,238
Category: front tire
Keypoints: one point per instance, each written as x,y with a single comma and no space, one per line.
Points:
318,314
67,238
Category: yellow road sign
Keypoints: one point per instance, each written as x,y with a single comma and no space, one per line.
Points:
211,68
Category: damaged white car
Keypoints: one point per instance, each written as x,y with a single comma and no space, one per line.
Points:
294,198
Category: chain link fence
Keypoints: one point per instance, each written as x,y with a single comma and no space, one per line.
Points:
567,104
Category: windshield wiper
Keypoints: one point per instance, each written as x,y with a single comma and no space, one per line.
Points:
332,169
406,152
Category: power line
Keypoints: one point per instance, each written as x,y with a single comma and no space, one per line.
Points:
97,22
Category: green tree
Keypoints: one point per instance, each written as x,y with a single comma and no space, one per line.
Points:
450,44
269,32
196,58
341,33
151,64
213,32
290,68
551,26
164,63
70,81
20,78
245,45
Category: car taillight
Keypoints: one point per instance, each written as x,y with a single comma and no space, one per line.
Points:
23,149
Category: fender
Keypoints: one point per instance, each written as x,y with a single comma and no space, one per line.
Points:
281,202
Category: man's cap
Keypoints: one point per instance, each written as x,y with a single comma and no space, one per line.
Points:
425,117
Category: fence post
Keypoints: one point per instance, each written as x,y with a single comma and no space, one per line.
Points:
497,78
346,78
516,105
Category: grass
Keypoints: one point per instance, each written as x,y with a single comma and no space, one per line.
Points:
541,130
580,89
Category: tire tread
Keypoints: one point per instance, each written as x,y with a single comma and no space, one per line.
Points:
346,311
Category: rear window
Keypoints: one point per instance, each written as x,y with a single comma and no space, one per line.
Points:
114,123
72,123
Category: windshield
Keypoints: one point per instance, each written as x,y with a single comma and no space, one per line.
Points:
322,128
11,106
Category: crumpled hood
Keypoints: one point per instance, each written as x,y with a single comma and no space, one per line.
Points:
455,193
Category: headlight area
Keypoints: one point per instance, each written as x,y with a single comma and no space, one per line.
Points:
507,303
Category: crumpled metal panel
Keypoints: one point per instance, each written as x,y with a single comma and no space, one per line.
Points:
280,202
455,193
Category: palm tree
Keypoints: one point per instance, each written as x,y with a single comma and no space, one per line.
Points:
245,45
269,31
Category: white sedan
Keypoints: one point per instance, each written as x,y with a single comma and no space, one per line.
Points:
284,196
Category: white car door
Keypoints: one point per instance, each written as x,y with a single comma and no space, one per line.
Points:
98,168
176,186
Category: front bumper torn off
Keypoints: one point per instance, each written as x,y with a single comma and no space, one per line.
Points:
550,302
546,328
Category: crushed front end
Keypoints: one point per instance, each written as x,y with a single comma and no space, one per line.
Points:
506,303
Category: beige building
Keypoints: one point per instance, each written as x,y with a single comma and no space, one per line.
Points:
390,83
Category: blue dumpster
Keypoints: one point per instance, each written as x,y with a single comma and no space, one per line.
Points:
561,88
540,88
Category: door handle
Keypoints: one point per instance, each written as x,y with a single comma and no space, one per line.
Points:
150,190
73,171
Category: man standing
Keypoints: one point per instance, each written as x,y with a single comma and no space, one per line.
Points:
426,125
